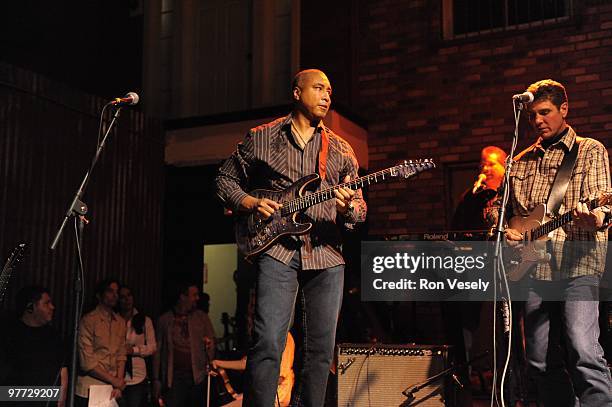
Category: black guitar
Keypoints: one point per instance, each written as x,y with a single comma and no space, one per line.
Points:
255,235
7,270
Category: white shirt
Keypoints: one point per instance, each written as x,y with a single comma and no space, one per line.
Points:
141,349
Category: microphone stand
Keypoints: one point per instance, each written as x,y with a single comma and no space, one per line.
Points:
78,209
208,373
498,266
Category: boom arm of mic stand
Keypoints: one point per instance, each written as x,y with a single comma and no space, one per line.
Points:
77,207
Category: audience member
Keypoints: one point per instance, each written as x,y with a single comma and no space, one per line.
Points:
140,343
102,349
35,352
286,377
185,339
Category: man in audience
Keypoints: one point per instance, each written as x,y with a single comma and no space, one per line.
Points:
102,349
185,339
34,350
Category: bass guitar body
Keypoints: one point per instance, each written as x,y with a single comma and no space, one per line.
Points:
255,235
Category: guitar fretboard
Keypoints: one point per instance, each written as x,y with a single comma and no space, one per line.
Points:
315,198
547,227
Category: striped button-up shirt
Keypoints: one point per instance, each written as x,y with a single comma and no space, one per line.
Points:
270,158
575,252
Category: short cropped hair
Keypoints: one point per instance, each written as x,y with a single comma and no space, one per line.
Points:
28,296
548,89
299,77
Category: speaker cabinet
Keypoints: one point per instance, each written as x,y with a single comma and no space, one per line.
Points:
376,375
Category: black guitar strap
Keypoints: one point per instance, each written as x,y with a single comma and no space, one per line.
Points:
559,187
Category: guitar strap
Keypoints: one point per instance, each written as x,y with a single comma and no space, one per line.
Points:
323,153
559,187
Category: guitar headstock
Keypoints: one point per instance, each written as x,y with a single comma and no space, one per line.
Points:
15,257
412,167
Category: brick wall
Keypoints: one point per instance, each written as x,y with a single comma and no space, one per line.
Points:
426,97
422,97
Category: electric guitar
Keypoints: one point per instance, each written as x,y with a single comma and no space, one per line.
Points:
15,257
254,235
536,228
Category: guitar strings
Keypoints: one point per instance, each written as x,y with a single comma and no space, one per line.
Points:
302,202
557,222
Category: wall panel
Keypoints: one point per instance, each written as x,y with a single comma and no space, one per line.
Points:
48,136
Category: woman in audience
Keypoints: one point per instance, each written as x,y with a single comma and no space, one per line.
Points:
140,343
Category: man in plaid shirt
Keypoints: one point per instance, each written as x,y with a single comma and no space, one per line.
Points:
577,256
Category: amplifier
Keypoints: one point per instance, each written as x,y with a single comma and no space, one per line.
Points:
376,375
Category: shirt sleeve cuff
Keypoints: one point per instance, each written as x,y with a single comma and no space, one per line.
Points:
234,199
606,221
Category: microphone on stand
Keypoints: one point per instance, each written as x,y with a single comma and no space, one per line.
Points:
525,97
130,99
478,183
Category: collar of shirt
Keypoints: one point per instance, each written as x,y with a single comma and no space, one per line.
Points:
566,140
105,314
297,138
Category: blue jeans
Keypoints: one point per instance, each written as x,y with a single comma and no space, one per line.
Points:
279,286
586,382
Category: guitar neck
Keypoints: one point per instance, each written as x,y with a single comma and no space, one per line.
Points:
304,202
7,270
4,279
547,227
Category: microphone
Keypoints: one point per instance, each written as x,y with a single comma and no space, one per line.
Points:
131,98
525,97
478,183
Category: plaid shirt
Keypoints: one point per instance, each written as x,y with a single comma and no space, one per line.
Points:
270,158
573,250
